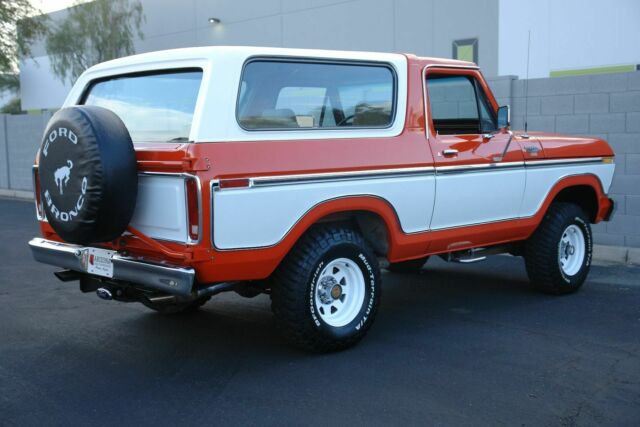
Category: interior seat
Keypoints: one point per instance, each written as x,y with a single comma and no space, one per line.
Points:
272,118
367,114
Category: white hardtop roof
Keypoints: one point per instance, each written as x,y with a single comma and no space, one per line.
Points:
222,67
208,53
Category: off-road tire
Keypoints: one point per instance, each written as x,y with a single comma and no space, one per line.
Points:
296,282
411,266
543,248
175,308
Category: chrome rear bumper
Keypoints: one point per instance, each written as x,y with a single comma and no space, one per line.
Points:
169,279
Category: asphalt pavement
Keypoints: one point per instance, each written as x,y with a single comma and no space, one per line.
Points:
452,345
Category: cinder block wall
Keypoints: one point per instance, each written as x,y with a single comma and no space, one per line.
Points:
20,137
4,165
604,105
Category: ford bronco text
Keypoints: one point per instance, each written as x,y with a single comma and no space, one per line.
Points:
172,176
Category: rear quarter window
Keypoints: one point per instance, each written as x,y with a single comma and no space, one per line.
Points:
299,95
155,107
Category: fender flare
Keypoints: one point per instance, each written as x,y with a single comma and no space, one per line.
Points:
587,179
372,204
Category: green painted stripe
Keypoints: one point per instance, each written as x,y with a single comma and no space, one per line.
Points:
595,70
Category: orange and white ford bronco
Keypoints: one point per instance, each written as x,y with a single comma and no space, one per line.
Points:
172,176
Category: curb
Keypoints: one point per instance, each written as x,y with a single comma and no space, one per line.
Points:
616,254
17,194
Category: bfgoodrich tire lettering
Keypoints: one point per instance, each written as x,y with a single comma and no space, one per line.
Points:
295,305
549,248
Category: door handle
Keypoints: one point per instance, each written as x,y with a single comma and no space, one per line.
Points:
488,135
450,152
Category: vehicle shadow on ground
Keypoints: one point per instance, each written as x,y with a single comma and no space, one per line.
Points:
438,294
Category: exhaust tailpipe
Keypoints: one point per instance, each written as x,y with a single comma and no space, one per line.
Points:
104,294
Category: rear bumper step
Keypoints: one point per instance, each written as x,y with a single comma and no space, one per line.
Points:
169,279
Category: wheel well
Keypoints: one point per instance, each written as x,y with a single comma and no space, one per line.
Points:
372,227
582,195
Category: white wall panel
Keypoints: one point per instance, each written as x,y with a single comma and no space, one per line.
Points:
568,34
355,25
39,88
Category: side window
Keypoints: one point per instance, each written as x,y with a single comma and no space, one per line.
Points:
456,108
367,104
277,94
307,105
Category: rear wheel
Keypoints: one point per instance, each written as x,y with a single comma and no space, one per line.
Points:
558,254
326,292
411,266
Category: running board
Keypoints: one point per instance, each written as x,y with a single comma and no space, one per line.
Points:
463,257
469,260
470,256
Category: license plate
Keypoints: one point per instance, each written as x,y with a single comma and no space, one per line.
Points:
99,262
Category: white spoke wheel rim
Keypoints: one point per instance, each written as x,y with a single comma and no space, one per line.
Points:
571,250
339,292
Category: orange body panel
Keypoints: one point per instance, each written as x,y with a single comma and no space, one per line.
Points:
228,160
563,146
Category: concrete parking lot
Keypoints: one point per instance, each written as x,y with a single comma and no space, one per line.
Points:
453,345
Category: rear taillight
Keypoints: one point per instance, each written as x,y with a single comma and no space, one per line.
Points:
193,208
36,195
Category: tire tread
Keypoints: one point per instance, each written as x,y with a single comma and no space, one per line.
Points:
541,250
289,293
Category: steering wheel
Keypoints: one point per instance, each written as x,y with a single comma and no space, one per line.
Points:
345,120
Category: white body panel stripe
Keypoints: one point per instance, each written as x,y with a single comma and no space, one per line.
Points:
478,197
161,210
262,216
540,180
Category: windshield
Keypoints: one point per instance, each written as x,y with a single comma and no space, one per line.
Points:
154,107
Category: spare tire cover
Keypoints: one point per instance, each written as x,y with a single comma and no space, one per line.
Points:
88,176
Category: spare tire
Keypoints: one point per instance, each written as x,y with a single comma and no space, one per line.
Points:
88,176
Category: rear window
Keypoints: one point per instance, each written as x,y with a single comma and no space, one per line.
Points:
278,94
154,107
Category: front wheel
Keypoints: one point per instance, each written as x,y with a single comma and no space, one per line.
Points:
326,292
558,254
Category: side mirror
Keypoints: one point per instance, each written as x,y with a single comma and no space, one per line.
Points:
504,117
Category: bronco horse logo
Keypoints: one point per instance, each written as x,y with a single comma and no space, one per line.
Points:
62,175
